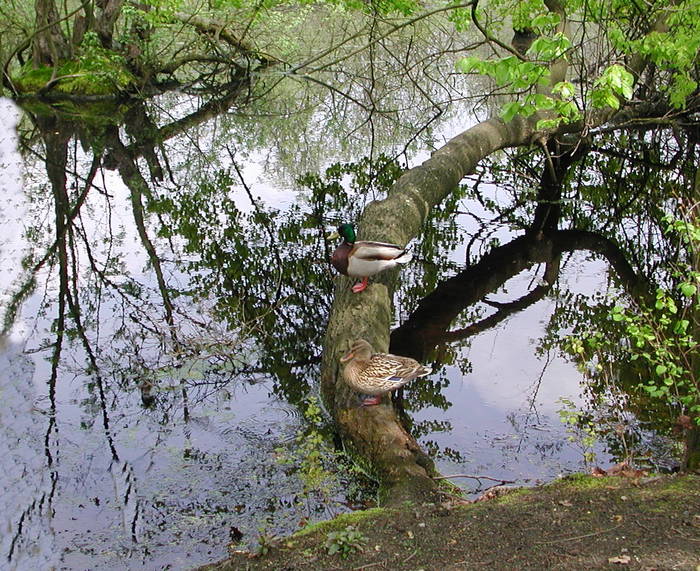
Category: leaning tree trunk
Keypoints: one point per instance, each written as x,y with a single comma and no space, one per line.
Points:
374,433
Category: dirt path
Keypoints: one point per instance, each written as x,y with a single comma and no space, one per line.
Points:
575,523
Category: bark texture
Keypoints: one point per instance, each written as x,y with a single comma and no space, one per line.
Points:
374,433
49,46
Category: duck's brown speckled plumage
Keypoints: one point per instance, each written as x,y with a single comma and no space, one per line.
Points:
375,374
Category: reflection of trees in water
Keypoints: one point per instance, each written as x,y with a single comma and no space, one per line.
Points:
561,199
266,267
240,254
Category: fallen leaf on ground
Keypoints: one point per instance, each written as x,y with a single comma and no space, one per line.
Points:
565,503
621,560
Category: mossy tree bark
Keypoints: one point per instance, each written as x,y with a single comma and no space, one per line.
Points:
59,31
374,433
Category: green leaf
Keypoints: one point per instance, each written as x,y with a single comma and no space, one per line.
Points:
544,124
545,20
681,326
688,289
469,64
611,101
510,110
661,369
565,89
543,102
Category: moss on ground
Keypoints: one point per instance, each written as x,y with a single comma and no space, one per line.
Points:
340,522
574,523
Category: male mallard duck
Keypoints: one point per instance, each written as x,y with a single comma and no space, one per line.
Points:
360,259
375,374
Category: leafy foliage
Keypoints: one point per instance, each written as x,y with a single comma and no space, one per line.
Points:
672,49
345,542
309,453
582,428
660,337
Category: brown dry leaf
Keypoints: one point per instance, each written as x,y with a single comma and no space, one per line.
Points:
565,503
620,560
618,468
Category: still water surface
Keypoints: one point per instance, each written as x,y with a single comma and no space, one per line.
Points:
93,479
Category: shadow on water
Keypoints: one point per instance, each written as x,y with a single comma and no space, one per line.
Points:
162,337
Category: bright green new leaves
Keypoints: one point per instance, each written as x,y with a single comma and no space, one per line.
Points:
658,335
521,75
522,12
509,71
616,83
564,111
670,40
545,21
673,51
548,49
662,336
513,72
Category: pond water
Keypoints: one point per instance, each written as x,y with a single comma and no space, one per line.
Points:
93,478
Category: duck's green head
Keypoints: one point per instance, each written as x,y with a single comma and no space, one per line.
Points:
347,232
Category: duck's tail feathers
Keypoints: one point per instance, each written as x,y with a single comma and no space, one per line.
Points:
404,258
424,371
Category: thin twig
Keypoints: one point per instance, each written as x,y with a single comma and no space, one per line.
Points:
410,556
368,565
580,536
474,478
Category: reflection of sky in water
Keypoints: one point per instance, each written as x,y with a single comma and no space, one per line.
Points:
177,489
187,485
504,420
25,483
13,208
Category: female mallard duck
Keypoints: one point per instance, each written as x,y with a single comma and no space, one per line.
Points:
360,259
375,374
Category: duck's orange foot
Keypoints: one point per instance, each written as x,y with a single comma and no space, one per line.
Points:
357,288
